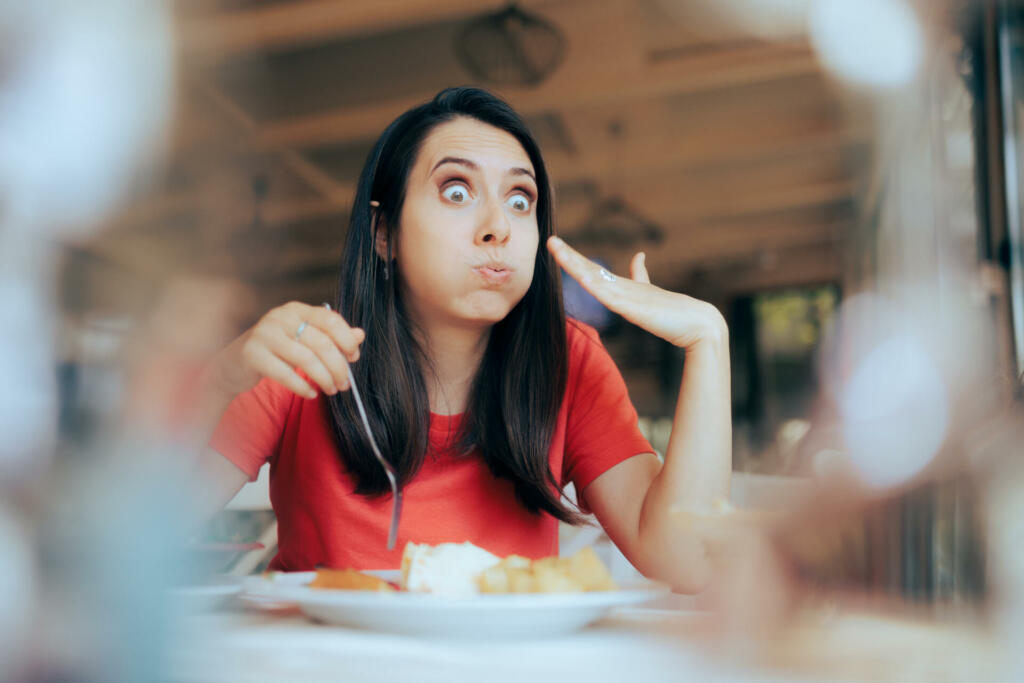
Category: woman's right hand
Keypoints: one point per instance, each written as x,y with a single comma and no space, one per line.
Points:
276,347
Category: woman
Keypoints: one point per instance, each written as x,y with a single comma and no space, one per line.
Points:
479,392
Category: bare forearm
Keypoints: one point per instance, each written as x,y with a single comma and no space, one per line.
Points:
212,398
698,462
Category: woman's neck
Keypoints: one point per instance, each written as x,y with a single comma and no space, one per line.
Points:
455,353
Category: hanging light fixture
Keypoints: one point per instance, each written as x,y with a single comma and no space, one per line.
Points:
612,222
510,47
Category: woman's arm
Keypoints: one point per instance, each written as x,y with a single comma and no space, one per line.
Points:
635,500
314,339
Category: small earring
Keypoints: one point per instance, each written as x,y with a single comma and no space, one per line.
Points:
385,270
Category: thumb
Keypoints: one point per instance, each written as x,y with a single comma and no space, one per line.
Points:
638,268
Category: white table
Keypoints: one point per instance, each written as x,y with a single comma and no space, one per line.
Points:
636,646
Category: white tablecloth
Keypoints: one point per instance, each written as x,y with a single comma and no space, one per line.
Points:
636,646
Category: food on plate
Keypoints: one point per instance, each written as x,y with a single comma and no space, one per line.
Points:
582,572
449,569
464,570
461,569
349,579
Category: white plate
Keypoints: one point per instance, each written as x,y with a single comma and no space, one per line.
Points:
479,617
262,591
205,598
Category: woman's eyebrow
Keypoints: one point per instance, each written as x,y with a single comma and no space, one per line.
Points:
472,165
522,171
456,160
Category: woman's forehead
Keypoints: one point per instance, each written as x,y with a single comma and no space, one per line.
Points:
478,142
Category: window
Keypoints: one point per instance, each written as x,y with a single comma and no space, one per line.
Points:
775,336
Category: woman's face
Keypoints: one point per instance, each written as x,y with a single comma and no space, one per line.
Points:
468,235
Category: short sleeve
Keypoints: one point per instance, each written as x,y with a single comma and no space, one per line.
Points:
602,426
250,431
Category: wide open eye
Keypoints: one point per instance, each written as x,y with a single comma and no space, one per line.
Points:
456,193
520,202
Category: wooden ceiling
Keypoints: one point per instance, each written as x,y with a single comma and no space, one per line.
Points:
738,149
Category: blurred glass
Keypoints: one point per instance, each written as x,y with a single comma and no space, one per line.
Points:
1010,250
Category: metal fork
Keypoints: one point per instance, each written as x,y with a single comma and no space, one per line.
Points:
396,493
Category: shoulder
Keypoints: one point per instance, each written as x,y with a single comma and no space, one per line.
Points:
581,339
589,360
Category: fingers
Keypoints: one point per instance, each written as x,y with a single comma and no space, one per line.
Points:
638,268
312,339
607,288
271,366
299,355
634,300
334,326
330,323
585,271
329,355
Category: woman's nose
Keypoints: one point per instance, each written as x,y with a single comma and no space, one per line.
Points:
494,227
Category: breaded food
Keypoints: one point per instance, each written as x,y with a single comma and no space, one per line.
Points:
511,575
582,572
349,579
587,568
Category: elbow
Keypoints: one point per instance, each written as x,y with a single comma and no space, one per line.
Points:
685,567
692,580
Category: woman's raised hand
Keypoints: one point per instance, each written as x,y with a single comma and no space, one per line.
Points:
677,318
295,336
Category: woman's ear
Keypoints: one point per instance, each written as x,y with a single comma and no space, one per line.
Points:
381,234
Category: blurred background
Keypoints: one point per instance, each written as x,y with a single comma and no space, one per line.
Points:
841,179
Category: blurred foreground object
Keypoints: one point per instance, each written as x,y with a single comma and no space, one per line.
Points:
86,95
889,392
873,43
86,90
905,563
867,43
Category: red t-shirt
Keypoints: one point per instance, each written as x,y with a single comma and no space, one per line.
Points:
321,521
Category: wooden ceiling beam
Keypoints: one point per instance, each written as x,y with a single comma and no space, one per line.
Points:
591,84
695,204
729,145
220,35
723,240
799,266
317,179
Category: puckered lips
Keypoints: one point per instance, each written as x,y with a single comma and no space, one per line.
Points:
494,272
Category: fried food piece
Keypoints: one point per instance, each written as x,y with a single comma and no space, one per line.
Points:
587,568
349,579
554,577
511,575
582,572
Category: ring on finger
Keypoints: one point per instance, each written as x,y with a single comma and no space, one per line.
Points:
606,275
302,328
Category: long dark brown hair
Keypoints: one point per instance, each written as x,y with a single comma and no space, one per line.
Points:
517,391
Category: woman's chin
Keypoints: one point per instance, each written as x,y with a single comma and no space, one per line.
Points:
487,310
486,319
